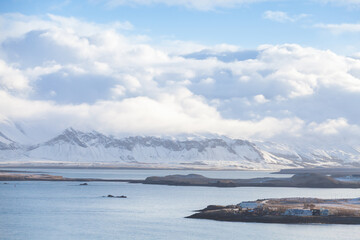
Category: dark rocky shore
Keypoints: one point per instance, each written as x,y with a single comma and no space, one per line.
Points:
222,216
47,177
306,180
287,210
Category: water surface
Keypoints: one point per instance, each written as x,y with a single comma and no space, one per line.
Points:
65,210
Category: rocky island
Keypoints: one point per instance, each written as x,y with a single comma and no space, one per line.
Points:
287,210
29,176
301,180
306,180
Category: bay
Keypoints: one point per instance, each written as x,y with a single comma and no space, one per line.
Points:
66,210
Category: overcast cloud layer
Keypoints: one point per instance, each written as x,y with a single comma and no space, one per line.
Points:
57,72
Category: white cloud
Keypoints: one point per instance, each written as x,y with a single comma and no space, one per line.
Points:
206,5
300,70
207,81
279,16
118,91
13,25
157,90
13,79
48,68
330,126
203,5
340,28
340,2
179,112
260,99
52,93
131,82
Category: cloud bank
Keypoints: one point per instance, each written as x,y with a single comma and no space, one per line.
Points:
57,72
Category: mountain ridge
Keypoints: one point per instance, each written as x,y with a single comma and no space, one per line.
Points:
74,146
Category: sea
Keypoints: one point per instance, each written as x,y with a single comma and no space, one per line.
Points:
68,210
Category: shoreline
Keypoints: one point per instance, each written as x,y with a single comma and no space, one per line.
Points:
279,219
286,211
8,176
297,181
180,168
306,180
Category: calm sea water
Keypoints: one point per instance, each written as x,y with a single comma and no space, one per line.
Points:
65,210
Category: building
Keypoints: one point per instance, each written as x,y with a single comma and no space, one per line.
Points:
316,212
249,205
324,212
298,212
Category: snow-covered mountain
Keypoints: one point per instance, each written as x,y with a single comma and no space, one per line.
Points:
73,146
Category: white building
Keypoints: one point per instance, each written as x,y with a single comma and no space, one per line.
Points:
249,205
298,212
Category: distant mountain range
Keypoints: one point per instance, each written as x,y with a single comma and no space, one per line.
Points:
96,149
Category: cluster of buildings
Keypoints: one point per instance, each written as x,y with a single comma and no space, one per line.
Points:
251,206
306,212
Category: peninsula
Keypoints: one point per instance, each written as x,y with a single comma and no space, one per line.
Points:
287,210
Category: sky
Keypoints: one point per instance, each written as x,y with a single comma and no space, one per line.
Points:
276,70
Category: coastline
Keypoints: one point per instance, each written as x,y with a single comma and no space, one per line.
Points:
286,211
306,180
278,219
8,176
310,180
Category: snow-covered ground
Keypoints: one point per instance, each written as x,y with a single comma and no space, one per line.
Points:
77,147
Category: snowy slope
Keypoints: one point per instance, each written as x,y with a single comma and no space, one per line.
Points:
25,133
10,149
310,155
72,146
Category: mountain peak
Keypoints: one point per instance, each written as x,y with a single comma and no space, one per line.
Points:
70,130
74,145
69,135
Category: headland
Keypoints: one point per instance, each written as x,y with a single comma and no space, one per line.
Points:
286,210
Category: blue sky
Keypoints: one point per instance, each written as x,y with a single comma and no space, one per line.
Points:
243,25
268,69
